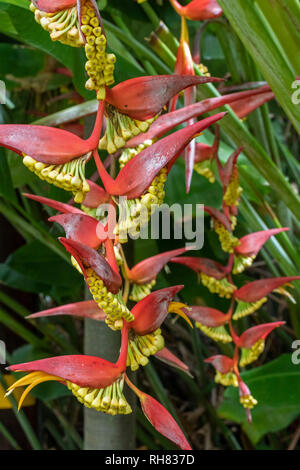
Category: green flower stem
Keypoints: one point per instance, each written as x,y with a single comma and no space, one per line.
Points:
153,17
23,421
162,50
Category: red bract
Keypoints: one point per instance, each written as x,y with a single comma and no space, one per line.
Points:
167,122
57,205
150,161
86,371
147,270
244,107
198,10
96,196
256,290
80,228
85,309
48,144
250,337
160,418
143,98
251,244
89,258
208,316
151,311
169,358
207,266
221,363
53,6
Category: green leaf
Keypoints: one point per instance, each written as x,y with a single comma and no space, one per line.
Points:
276,386
265,49
35,267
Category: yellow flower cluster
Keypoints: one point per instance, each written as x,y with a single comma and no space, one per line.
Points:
247,308
128,154
120,128
250,355
63,25
227,380
221,287
109,400
248,401
203,169
69,176
241,263
100,65
112,305
139,292
218,333
141,347
233,192
134,213
227,240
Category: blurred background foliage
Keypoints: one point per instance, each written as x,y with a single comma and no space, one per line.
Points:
43,80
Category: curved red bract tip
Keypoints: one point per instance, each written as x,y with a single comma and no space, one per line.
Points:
150,312
256,290
80,227
85,309
150,161
144,97
57,205
251,244
86,371
207,266
252,335
87,257
53,6
221,363
208,316
148,269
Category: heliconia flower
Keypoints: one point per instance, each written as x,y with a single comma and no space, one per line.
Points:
211,273
95,382
134,104
81,228
249,247
160,418
230,179
145,338
198,10
89,309
146,193
103,281
211,322
224,370
166,122
55,155
254,294
252,341
244,107
143,275
223,228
